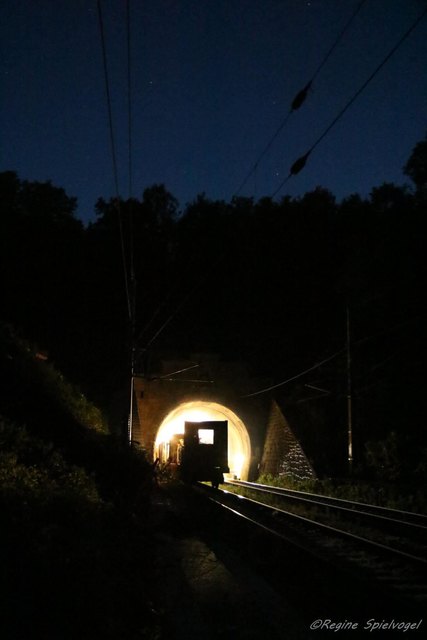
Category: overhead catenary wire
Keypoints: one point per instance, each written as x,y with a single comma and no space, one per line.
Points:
130,183
182,302
130,294
334,355
300,163
165,300
159,308
337,40
264,152
296,104
298,375
130,173
129,91
195,365
114,158
154,316
300,98
170,317
131,234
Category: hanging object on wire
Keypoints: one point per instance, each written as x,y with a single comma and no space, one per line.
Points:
299,164
300,97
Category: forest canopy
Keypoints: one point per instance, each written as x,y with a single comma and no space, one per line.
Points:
267,282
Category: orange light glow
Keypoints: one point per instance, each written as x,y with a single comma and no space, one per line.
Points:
239,447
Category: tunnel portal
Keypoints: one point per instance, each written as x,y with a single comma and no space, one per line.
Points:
239,446
260,439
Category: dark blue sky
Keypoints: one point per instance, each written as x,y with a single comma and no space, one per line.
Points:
212,80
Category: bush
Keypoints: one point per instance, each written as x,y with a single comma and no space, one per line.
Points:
73,565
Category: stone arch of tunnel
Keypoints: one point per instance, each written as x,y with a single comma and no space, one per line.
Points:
239,445
261,441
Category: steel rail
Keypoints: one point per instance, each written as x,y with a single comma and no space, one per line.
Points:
272,544
330,529
353,507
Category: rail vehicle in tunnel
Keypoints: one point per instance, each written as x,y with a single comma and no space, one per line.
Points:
201,452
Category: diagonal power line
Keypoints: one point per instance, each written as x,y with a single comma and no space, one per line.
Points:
298,375
113,156
300,163
300,97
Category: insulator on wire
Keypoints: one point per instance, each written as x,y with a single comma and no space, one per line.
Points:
299,164
300,97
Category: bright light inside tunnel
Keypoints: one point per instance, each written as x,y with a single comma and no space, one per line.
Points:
239,448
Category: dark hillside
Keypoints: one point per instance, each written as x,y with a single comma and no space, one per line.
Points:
74,547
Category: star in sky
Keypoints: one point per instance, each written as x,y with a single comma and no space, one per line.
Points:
211,82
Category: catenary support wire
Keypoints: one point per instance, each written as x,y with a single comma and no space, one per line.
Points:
296,104
300,163
130,172
300,97
298,375
131,230
337,40
113,157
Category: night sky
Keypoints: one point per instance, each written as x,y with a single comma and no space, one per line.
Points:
211,82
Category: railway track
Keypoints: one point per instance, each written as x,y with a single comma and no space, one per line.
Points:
400,533
360,544
408,518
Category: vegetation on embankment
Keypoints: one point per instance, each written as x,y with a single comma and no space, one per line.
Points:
292,271
391,495
30,379
74,545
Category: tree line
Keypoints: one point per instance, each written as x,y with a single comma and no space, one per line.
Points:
261,281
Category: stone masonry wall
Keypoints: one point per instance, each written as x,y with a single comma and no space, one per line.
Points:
283,455
274,447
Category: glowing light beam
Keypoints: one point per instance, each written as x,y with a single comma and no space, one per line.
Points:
239,447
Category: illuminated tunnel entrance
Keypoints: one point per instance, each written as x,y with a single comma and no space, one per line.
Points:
239,446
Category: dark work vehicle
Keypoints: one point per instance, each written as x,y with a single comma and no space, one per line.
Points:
205,452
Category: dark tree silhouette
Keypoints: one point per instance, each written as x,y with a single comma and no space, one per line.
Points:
416,167
41,256
262,281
